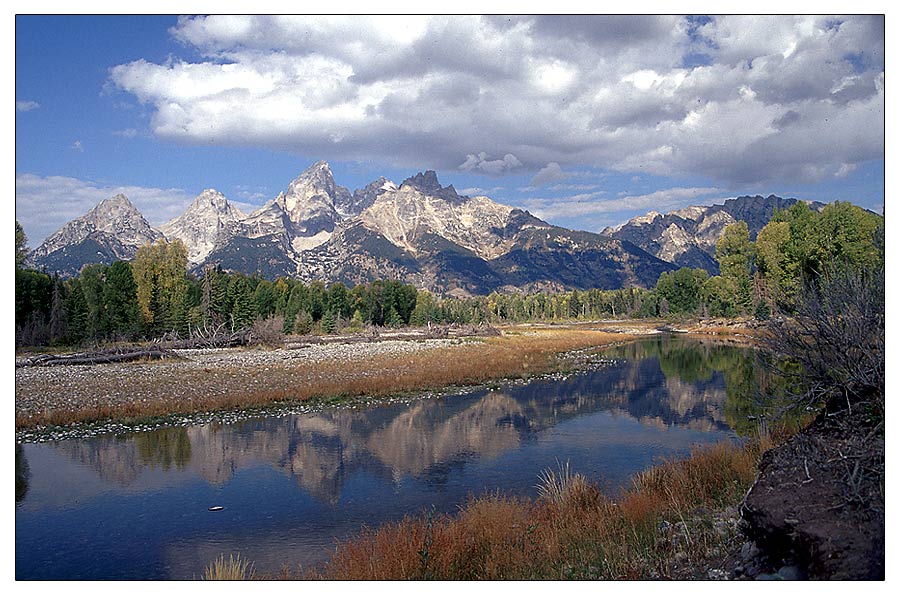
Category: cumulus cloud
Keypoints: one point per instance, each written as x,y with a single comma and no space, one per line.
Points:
44,204
548,174
731,98
26,105
481,163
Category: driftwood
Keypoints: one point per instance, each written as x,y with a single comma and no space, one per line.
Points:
87,359
163,347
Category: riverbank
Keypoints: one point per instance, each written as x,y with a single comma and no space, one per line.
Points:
204,380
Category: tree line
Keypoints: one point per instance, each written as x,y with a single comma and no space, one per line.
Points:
154,295
797,248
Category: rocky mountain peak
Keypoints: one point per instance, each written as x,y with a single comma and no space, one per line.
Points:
313,202
317,177
209,220
427,183
211,198
420,232
116,206
114,228
363,198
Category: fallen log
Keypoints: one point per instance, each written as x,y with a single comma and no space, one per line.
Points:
88,359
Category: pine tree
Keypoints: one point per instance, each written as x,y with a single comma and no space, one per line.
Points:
57,313
120,300
328,322
243,311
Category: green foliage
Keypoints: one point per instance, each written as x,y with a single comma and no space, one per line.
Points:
798,244
337,300
329,322
32,295
21,246
215,307
159,272
264,299
154,294
243,310
120,300
426,310
735,254
682,290
76,313
720,297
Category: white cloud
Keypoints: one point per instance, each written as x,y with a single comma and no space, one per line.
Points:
26,105
77,146
593,203
548,174
126,133
481,163
44,204
606,92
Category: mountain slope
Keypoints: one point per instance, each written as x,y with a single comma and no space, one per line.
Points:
112,230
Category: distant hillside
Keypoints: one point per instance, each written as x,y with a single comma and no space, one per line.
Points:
687,237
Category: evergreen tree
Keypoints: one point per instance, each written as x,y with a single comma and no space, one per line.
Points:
93,279
76,313
264,299
120,300
329,323
243,311
337,300
58,318
21,246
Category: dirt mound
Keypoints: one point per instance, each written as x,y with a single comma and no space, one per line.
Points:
818,502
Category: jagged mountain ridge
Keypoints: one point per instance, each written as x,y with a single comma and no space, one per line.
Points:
688,236
419,232
112,230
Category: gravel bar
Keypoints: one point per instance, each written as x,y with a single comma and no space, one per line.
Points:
198,373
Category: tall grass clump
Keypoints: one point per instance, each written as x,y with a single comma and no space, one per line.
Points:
661,526
233,569
563,485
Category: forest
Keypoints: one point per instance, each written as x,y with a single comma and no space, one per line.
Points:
155,296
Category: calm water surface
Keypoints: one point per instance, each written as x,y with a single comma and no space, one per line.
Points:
135,506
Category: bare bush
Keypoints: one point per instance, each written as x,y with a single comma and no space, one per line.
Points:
267,331
837,336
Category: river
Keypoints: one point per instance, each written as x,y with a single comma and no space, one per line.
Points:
136,506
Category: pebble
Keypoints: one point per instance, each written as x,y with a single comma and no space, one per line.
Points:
790,573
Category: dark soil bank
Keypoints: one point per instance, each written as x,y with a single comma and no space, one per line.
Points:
818,502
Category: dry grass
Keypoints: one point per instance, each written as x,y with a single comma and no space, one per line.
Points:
186,390
660,526
233,569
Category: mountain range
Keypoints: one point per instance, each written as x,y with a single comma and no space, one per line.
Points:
418,232
687,237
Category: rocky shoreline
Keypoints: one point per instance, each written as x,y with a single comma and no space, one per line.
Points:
197,373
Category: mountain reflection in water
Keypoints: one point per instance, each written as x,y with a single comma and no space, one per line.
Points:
656,398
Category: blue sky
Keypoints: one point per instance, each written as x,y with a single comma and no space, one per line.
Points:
585,122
